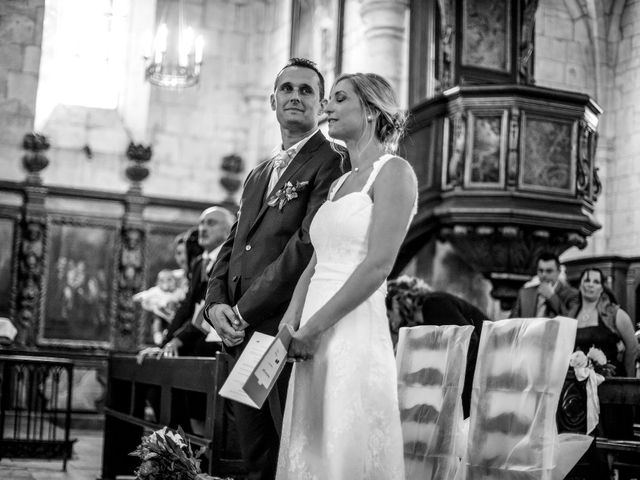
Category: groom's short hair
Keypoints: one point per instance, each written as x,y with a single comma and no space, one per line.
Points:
304,63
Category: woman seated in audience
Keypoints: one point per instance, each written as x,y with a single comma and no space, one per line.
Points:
603,324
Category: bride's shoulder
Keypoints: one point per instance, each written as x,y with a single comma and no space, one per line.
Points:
397,168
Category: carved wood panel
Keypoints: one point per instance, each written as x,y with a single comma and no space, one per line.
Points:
548,158
486,36
486,154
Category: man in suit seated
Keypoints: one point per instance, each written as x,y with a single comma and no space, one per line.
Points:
183,337
412,302
549,296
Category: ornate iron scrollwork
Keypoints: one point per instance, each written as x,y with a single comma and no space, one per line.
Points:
571,416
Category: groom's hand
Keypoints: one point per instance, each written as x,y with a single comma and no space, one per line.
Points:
223,319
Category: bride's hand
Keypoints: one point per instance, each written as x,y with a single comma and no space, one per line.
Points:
289,319
303,345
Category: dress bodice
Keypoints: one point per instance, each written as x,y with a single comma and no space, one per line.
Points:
340,229
600,336
348,390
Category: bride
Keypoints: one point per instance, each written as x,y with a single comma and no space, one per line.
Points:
341,418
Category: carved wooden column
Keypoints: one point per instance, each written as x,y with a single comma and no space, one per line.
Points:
232,166
33,230
385,32
131,267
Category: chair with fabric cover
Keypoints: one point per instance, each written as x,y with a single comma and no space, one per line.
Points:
521,368
431,364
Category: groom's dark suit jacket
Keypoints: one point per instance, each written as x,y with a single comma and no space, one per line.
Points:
269,247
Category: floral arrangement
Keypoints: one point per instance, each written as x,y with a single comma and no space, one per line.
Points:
592,368
284,195
167,455
405,296
595,360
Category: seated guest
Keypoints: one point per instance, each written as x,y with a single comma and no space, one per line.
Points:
602,323
549,297
192,248
183,338
161,300
410,302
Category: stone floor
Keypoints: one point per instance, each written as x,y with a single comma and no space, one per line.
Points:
85,464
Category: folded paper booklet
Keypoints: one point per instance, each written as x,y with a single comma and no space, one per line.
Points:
256,371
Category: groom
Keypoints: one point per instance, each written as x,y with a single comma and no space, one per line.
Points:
269,247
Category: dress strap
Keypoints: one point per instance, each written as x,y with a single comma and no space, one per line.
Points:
377,165
337,185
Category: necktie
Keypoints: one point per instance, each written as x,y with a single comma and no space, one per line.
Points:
279,163
541,307
203,268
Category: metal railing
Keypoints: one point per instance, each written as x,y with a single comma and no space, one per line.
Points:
35,407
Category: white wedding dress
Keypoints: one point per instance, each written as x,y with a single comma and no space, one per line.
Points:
341,419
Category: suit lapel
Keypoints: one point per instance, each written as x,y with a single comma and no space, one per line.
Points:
529,309
296,164
252,202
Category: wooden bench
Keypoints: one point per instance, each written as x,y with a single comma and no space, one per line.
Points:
163,384
617,443
623,453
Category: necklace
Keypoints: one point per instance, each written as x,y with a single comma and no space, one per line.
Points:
585,316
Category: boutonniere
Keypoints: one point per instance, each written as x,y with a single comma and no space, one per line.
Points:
287,193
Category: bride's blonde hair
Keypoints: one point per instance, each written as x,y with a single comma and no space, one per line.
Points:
377,97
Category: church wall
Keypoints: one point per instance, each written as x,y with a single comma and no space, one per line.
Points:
20,46
597,52
623,182
190,130
564,59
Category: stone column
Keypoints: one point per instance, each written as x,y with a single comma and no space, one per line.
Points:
256,100
384,22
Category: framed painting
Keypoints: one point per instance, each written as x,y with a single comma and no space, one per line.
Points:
316,34
548,154
486,40
7,265
79,295
486,155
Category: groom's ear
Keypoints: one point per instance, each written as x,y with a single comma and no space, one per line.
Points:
272,101
323,105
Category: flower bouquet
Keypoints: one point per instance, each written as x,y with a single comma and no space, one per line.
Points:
592,367
405,296
167,455
595,360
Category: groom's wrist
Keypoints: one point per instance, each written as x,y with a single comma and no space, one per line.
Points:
237,312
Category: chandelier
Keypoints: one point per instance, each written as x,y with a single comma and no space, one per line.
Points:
176,54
